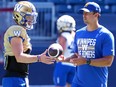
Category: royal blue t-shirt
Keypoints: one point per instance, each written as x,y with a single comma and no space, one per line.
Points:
93,44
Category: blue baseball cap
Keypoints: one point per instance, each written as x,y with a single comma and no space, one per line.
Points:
91,7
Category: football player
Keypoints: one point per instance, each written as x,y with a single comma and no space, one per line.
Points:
18,47
64,72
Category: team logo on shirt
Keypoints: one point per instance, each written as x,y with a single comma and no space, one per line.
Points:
17,33
86,47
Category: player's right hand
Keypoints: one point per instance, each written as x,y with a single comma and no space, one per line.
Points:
60,58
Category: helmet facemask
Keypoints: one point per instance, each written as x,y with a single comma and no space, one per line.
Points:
29,20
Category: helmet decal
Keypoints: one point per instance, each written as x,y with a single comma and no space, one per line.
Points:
17,7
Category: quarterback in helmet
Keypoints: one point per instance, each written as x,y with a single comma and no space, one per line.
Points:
25,14
18,47
66,27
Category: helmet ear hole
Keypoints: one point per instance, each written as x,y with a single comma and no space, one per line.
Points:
17,15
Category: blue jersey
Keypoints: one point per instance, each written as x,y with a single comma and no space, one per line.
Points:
93,44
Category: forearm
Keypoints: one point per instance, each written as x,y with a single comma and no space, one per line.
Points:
73,56
26,58
102,62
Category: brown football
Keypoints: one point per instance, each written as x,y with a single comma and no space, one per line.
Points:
55,50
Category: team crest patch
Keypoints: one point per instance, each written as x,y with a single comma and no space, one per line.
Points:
17,33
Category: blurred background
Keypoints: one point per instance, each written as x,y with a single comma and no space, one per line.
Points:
45,32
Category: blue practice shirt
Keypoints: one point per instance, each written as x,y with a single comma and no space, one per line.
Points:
93,44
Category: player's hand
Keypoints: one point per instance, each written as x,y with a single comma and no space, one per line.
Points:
63,59
78,61
60,58
46,59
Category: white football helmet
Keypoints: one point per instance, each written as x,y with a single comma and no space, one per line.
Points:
25,14
66,23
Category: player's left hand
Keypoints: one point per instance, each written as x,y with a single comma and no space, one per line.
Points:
78,61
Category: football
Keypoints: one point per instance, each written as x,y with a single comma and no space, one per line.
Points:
55,50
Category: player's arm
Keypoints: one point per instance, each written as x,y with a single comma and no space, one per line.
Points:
63,59
101,62
17,48
62,41
108,49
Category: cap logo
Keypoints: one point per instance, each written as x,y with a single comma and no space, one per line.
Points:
86,4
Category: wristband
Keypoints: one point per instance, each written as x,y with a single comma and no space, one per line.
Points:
38,60
88,61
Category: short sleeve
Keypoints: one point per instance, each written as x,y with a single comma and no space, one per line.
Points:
16,31
109,45
75,48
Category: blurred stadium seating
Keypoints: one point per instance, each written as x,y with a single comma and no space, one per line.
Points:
100,2
110,2
105,9
113,9
64,9
57,1
76,2
77,8
45,31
